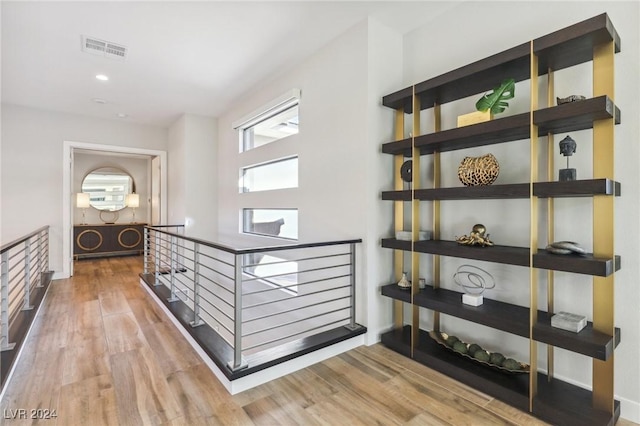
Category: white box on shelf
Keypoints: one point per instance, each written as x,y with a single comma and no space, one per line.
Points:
406,235
568,321
472,299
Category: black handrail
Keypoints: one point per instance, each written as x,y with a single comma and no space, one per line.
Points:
235,251
14,243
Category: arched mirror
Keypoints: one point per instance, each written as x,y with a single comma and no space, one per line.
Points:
108,188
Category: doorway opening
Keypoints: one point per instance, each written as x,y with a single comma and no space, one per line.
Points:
148,169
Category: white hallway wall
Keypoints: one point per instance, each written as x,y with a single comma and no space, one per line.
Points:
193,175
469,38
31,174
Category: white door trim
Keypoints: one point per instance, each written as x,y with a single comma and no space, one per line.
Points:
67,199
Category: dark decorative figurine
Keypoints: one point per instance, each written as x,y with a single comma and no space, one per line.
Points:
570,99
567,148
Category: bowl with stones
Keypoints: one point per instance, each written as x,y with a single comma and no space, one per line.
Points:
476,353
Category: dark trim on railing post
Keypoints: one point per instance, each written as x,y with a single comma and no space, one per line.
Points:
196,287
27,276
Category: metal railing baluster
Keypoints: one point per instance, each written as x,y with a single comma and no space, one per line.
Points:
4,304
27,277
157,259
238,363
197,321
172,266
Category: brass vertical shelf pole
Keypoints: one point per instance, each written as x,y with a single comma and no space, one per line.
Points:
603,225
550,217
415,223
398,215
436,213
533,236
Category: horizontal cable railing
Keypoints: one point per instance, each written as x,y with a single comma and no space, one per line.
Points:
24,278
256,299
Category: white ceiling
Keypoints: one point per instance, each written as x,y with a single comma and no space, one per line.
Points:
183,57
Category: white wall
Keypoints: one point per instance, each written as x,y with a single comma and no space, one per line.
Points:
469,38
338,149
193,175
137,168
32,162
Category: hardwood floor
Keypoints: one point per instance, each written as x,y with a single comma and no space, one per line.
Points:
102,353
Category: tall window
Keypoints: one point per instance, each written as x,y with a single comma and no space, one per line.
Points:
270,171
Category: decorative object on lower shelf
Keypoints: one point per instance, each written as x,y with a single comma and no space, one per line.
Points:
473,280
567,148
477,237
406,235
478,171
568,321
404,282
479,355
565,247
570,99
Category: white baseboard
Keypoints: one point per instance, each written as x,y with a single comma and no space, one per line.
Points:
268,374
58,276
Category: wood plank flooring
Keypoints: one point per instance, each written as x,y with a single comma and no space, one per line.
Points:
102,353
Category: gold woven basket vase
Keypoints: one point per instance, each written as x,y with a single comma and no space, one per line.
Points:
475,171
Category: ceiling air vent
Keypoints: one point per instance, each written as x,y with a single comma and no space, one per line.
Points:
99,47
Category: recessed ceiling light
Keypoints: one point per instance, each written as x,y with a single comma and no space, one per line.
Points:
122,115
102,77
99,100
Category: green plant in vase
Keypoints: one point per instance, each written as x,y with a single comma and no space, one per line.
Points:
496,100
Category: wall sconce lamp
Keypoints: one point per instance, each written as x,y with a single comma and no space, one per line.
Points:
133,201
82,202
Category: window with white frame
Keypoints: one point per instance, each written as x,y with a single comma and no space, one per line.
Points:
281,223
269,124
277,174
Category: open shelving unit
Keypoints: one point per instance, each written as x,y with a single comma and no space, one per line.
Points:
594,40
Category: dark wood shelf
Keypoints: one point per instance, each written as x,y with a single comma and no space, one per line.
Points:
499,315
575,116
556,402
587,342
510,388
499,130
477,77
404,195
564,48
560,403
396,244
586,264
514,190
573,45
499,254
576,188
